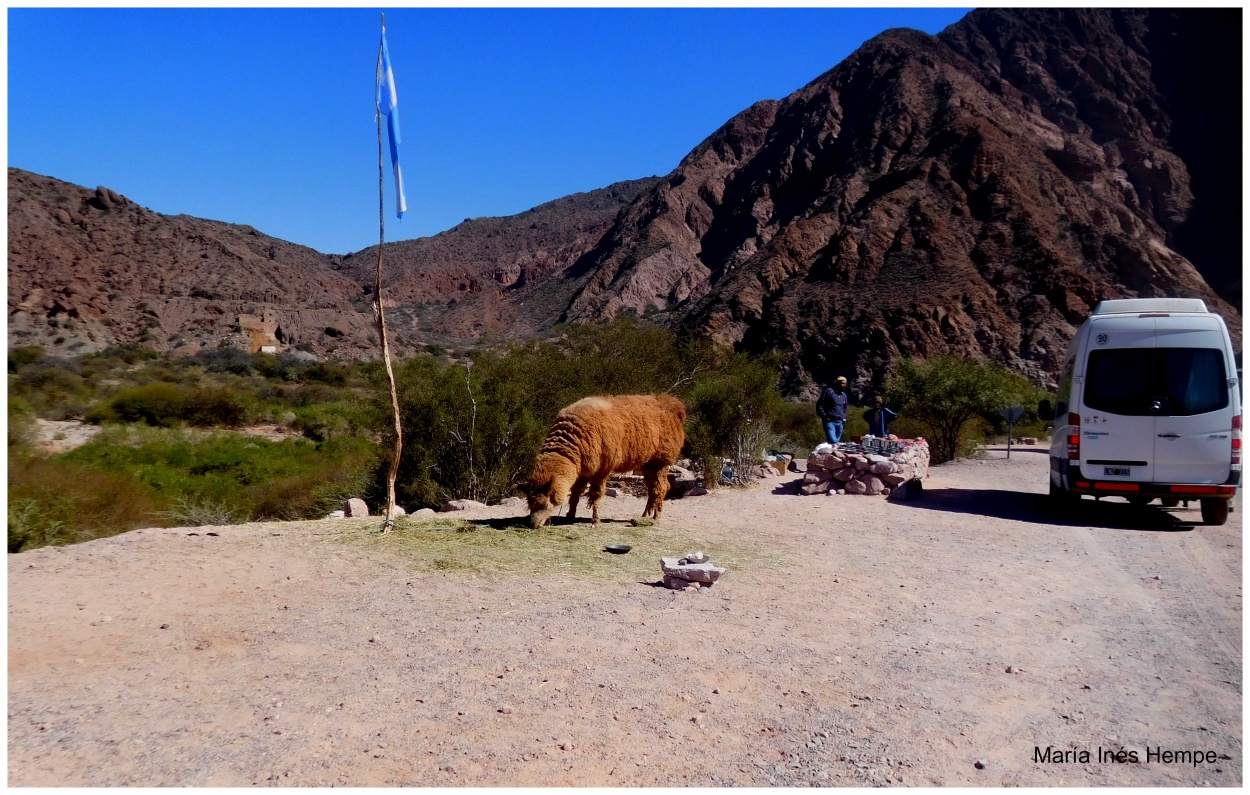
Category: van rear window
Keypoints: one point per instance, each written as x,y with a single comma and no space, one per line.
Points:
1162,381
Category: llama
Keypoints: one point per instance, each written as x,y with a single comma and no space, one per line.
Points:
597,436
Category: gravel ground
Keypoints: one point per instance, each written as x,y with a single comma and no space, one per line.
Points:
948,640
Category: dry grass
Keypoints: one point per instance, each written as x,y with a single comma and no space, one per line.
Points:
504,547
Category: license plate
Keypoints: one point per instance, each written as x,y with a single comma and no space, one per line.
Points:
1117,471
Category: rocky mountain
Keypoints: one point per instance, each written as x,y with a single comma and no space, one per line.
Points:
89,268
974,192
493,278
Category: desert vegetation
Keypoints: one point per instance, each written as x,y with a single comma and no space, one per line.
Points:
171,451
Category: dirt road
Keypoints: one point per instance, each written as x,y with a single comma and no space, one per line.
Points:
950,640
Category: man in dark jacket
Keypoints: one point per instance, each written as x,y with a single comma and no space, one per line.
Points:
879,418
831,408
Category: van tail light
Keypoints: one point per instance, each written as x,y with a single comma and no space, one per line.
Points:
1074,437
1236,453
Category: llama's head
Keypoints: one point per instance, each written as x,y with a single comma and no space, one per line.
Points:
542,502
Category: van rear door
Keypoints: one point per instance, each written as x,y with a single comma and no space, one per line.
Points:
1117,420
1193,438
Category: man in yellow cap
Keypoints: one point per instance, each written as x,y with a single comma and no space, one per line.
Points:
831,408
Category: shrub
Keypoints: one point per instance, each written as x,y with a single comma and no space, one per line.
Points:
945,393
21,423
226,360
23,355
165,405
214,407
155,404
52,501
730,415
227,475
799,427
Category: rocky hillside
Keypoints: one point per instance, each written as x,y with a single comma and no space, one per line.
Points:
974,192
493,278
88,269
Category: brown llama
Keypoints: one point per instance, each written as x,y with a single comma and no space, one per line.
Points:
597,436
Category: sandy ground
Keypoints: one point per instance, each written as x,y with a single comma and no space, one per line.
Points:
949,640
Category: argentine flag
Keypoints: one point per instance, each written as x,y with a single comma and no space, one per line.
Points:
388,104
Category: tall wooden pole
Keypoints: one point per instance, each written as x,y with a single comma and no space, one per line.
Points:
389,513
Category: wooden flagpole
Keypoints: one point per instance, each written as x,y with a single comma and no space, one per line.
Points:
389,513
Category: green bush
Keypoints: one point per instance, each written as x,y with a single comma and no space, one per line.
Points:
946,393
52,501
799,427
23,355
21,423
731,415
243,476
165,405
323,421
53,386
214,407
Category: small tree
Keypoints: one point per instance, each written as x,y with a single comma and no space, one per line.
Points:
946,392
731,411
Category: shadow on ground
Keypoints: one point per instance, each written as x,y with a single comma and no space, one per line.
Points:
1019,506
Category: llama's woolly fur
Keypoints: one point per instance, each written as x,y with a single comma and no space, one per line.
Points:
597,436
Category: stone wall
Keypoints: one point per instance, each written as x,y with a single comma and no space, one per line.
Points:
849,469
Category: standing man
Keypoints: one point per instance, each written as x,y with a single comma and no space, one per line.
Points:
879,418
831,408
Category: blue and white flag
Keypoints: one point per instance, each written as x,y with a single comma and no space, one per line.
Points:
388,104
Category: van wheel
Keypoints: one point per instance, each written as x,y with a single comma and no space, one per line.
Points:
1214,511
1139,500
1169,502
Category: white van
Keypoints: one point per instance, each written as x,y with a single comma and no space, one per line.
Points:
1149,407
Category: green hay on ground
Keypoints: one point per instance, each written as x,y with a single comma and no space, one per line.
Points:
502,547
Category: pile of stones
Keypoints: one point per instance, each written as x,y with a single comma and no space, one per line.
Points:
849,469
690,573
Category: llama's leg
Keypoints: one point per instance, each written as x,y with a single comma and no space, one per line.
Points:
579,486
593,496
650,477
661,489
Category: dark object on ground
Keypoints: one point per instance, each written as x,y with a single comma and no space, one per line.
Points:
618,549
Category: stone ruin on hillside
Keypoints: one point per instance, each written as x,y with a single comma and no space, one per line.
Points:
261,332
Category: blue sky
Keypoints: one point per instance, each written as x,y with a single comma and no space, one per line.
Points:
265,116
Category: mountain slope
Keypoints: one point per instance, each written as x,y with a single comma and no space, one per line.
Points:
90,268
976,192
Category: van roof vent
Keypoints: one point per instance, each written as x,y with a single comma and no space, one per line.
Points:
1136,305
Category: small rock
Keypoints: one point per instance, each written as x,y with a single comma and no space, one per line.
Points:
462,505
505,710
1011,669
164,626
336,514
425,512
697,491
981,764
355,507
696,557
